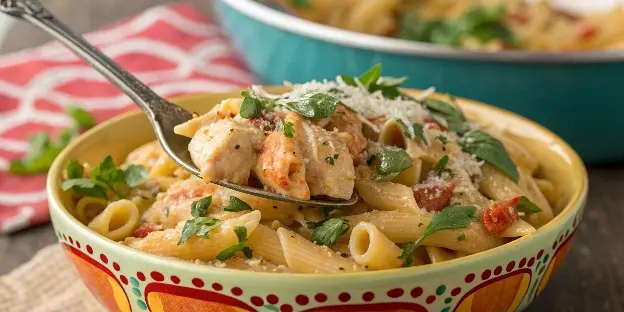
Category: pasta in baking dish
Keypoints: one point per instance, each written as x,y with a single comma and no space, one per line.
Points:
471,24
433,186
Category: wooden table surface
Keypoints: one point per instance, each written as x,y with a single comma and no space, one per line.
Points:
592,278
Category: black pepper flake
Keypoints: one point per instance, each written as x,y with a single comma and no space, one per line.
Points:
341,268
275,207
344,255
236,146
336,156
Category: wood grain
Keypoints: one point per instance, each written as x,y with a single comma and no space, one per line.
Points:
591,279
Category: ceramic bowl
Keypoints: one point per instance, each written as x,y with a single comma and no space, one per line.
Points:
576,95
506,278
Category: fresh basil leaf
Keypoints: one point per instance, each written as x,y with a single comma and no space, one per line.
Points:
134,175
393,161
237,205
327,233
311,104
66,136
107,172
386,177
407,255
85,187
206,225
83,119
348,80
371,76
456,217
39,157
251,106
285,127
74,170
527,206
202,226
241,233
491,150
454,118
199,208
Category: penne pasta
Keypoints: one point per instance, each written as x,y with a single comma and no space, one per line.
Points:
265,243
370,248
303,256
117,221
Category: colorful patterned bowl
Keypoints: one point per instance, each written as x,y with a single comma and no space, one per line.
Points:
575,95
506,278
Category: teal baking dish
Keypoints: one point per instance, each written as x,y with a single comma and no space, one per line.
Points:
578,95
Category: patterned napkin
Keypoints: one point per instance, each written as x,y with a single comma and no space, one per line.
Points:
173,49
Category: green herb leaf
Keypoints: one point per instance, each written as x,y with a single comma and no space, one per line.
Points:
371,76
393,161
311,104
408,253
440,166
74,170
301,4
85,187
251,106
456,217
447,113
271,308
348,80
461,237
106,174
227,253
200,225
83,119
491,150
419,131
200,208
237,205
134,175
328,232
285,127
386,81
39,157
527,206
329,160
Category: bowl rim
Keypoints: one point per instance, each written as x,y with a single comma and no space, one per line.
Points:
293,24
576,202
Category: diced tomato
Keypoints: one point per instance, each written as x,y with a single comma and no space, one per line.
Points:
145,229
433,197
586,31
500,216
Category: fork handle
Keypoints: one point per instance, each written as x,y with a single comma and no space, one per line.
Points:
33,12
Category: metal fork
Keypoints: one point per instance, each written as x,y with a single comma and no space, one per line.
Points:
162,114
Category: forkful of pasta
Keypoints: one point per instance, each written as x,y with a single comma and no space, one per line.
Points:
225,151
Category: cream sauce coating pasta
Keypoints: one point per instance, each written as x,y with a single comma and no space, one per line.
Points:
408,169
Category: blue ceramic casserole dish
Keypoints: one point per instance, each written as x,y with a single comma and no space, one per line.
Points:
578,95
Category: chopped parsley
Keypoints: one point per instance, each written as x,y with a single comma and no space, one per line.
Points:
200,224
237,204
251,105
461,237
285,127
418,130
456,217
525,205
227,253
329,160
440,166
442,139
326,232
103,178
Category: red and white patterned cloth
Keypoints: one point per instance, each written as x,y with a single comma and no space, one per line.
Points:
173,49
